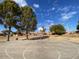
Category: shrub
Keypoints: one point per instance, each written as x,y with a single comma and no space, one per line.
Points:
57,29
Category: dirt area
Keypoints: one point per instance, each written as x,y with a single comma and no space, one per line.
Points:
70,37
31,37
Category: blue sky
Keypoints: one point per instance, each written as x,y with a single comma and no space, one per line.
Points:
50,12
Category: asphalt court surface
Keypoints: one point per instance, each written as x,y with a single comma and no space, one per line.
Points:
39,49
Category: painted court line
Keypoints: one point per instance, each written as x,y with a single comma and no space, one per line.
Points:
24,54
59,55
6,52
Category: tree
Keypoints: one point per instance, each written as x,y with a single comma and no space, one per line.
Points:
8,10
78,26
28,19
57,29
19,25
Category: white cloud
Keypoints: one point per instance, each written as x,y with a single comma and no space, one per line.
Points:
21,2
67,16
49,21
36,5
63,9
66,12
53,8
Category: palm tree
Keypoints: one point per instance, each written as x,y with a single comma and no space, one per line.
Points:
8,10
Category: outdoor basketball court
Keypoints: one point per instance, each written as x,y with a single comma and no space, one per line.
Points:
39,49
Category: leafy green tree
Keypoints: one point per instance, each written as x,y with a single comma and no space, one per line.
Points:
57,29
28,19
8,10
19,26
78,26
